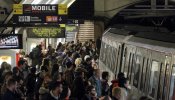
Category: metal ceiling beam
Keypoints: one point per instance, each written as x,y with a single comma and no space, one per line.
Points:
149,15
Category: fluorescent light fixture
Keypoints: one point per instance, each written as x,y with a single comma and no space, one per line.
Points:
64,1
70,3
36,1
54,2
27,1
48,2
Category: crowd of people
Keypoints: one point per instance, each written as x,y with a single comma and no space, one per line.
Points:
69,72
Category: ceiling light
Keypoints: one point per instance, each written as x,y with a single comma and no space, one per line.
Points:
48,2
70,3
54,2
36,1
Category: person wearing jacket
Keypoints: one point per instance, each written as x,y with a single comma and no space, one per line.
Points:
56,89
95,80
115,83
104,82
78,87
10,92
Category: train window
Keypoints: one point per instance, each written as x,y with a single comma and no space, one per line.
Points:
118,60
172,87
105,53
137,70
114,56
110,57
129,65
124,60
126,64
154,79
132,69
102,51
143,73
161,80
166,82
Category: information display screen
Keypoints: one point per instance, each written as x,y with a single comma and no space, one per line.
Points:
46,32
11,41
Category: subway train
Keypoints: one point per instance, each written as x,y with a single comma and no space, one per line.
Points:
146,55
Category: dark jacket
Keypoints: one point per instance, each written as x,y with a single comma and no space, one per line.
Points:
89,69
97,83
9,95
78,90
31,83
105,87
69,77
49,97
113,98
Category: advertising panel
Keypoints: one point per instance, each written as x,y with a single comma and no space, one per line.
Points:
11,41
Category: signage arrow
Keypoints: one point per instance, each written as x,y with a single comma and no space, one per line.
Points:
60,19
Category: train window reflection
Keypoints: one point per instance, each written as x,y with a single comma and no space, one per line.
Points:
161,80
145,61
154,79
166,82
132,68
129,65
172,87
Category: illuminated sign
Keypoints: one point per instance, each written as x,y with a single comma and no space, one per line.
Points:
40,13
7,59
45,8
11,41
40,9
73,21
17,9
62,9
71,28
46,32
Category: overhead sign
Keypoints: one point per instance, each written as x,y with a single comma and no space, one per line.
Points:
40,9
40,13
40,19
11,41
62,9
74,21
17,9
46,32
71,28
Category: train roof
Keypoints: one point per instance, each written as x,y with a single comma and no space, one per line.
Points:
159,34
150,40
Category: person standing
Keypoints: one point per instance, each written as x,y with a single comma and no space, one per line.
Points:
10,92
95,81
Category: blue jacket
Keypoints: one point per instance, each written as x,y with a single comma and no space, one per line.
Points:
97,83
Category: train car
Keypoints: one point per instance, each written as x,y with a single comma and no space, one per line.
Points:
146,56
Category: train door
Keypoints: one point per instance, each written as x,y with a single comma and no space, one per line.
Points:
140,68
115,57
128,70
154,72
118,59
127,59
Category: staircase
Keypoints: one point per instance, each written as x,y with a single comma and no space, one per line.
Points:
86,31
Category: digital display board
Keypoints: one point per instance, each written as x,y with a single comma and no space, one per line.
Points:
11,41
46,32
